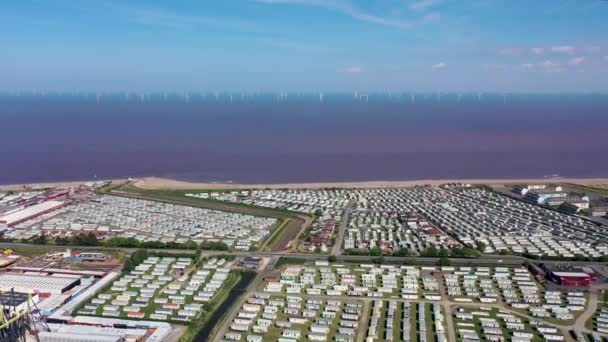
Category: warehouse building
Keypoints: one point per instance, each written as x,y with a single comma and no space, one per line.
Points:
38,284
27,213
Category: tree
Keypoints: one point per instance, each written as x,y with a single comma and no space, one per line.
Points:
443,262
401,252
61,241
376,251
91,239
357,251
40,239
332,258
470,252
480,246
431,252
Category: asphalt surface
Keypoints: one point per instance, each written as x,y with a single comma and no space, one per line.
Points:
342,229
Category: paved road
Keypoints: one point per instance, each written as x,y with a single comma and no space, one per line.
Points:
342,229
487,260
236,307
448,307
590,309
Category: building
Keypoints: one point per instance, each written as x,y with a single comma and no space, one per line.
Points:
577,201
30,212
250,262
524,189
92,257
570,275
546,196
40,284
15,301
600,210
578,279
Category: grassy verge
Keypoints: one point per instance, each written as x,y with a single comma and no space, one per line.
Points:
276,235
196,325
586,188
179,196
34,250
288,260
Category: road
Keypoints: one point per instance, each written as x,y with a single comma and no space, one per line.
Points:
265,269
448,307
487,260
590,310
342,229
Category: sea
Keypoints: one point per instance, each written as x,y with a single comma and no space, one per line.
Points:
285,138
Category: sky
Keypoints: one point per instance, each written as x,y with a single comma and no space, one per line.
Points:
304,45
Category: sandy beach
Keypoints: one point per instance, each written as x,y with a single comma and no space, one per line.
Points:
157,183
61,185
163,183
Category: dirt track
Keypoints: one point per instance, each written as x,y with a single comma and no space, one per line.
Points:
296,227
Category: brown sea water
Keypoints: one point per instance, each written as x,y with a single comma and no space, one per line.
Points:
300,139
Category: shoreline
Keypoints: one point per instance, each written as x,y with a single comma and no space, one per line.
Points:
157,183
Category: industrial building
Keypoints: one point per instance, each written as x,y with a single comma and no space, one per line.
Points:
30,212
577,279
40,284
570,276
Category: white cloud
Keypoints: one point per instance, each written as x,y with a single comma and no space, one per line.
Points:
576,61
563,49
345,7
550,66
438,66
352,70
423,4
537,51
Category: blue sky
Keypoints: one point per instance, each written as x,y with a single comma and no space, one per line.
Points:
304,45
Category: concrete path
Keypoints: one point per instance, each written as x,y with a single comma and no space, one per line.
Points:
342,229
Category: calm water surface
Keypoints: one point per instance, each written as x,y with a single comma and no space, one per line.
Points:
55,138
